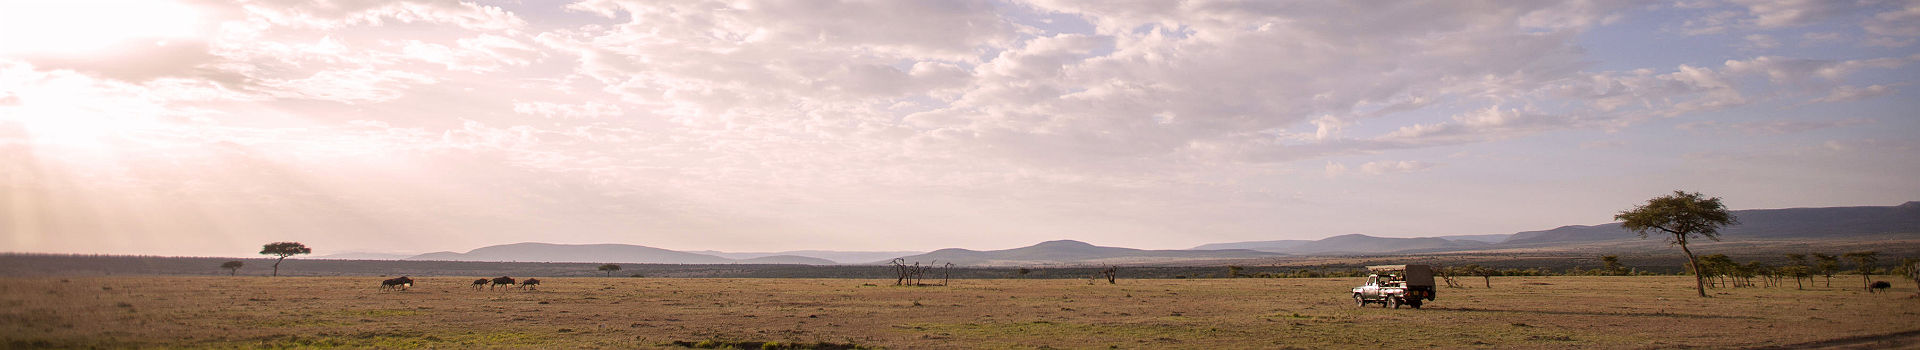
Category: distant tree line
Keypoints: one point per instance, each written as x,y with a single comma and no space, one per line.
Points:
1721,271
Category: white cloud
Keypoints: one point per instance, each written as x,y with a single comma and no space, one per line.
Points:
1336,169
1772,127
1603,144
1377,168
350,86
1763,14
480,54
1391,167
1786,13
589,110
338,14
1821,38
1854,93
726,120
1760,42
1903,21
1799,72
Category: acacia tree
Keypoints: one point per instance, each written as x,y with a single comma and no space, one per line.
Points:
1828,265
1612,265
232,266
1864,261
1485,273
1909,268
1682,215
283,250
609,268
1798,270
1716,268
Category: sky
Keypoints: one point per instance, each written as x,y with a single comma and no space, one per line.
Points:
209,128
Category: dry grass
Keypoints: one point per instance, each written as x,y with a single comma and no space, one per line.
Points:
1522,312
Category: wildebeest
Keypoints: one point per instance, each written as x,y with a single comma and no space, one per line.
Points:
502,280
1878,286
479,283
396,283
530,283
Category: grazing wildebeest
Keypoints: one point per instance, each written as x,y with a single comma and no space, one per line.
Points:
1878,286
502,280
530,283
396,283
479,283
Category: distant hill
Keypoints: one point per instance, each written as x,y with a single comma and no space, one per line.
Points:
1492,238
363,256
843,257
1066,253
1269,246
1791,223
787,259
1761,223
603,253
1364,244
1361,244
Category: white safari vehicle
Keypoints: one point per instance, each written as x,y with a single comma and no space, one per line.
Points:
1395,285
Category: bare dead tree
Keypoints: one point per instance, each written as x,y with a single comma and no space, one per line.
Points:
946,274
900,271
1446,275
1109,273
915,275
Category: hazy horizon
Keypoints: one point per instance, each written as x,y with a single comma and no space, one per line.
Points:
210,127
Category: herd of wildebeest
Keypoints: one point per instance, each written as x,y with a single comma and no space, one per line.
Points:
404,282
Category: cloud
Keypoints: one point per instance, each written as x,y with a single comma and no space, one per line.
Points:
1759,42
1336,169
1763,14
1789,13
589,110
350,86
1772,127
1853,93
338,14
1486,124
1797,71
1391,167
480,54
1604,144
1377,168
1903,21
696,122
1821,38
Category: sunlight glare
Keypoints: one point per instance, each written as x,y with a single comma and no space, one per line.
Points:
80,27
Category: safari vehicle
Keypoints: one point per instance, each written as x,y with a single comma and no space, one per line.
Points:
1395,285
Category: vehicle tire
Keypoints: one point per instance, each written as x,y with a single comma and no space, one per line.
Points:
1392,302
1357,301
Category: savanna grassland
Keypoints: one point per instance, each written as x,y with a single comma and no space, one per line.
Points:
1518,312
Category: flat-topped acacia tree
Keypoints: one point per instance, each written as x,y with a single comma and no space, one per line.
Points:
1865,261
232,267
609,268
283,250
1682,215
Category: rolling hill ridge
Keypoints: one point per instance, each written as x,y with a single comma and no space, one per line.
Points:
605,253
